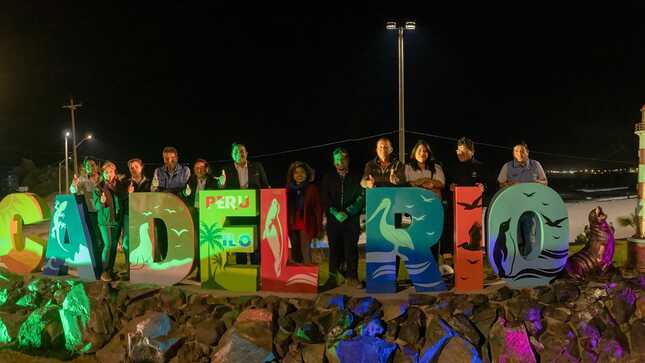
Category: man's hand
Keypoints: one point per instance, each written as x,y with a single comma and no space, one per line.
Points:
370,181
103,198
393,178
131,187
221,180
452,187
187,191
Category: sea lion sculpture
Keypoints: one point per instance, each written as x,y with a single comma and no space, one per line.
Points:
597,256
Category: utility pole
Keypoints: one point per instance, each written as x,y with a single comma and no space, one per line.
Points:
72,107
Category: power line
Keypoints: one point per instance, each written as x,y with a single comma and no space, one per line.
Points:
532,151
313,146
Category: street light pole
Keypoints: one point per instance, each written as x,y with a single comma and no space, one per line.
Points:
401,99
72,107
66,164
409,25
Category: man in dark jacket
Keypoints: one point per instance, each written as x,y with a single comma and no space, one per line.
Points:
343,199
243,174
466,172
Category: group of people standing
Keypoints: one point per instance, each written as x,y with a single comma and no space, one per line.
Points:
340,195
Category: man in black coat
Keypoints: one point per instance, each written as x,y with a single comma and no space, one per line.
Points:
243,174
343,199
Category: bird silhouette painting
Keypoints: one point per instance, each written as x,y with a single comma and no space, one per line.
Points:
397,237
475,240
555,224
529,195
500,252
474,205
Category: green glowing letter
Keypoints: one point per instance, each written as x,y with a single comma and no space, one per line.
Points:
218,237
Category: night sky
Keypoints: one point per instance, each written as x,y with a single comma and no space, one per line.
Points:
566,80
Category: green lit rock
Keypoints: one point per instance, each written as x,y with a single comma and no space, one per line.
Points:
75,315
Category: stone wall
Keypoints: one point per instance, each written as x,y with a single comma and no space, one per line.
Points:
600,320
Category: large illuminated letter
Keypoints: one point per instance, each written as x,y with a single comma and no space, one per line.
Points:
469,264
20,253
69,243
217,237
517,213
276,274
146,263
403,222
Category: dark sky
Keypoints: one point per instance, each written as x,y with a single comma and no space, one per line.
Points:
566,80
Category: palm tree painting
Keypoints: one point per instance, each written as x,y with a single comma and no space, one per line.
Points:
216,255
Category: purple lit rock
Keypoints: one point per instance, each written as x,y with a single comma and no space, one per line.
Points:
509,342
365,349
365,306
560,343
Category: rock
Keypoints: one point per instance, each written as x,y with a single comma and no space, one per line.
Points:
623,305
172,297
313,353
249,340
510,342
438,332
326,301
219,311
557,312
640,307
559,342
565,291
411,329
459,350
362,307
484,319
365,349
150,342
393,311
130,293
503,293
282,339
308,333
421,299
209,331
406,354
42,330
284,308
192,352
141,306
116,349
233,348
371,328
465,328
637,337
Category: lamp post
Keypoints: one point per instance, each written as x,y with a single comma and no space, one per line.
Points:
72,108
409,25
66,164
